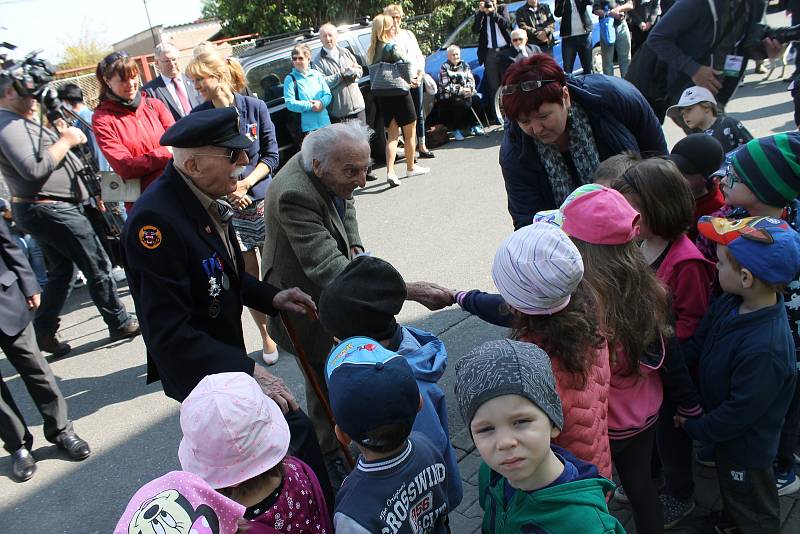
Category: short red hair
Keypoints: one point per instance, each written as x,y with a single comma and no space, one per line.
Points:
536,67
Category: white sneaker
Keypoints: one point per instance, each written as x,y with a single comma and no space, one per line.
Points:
270,358
418,170
118,274
392,179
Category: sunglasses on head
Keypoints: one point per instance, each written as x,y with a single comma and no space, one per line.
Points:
113,58
526,86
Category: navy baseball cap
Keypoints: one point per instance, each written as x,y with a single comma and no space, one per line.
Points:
369,387
210,127
769,248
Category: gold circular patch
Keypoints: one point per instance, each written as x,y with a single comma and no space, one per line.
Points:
150,237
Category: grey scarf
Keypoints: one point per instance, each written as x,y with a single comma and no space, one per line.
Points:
584,154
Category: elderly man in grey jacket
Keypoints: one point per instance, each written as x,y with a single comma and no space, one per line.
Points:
342,72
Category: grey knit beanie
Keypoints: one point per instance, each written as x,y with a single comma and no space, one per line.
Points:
506,367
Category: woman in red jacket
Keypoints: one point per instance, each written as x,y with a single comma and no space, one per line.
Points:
127,124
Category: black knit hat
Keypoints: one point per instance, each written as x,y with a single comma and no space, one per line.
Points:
363,300
698,153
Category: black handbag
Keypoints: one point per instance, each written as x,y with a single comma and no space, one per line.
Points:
294,121
389,79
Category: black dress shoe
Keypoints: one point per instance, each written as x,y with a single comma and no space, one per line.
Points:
76,448
131,329
24,465
426,155
371,177
50,343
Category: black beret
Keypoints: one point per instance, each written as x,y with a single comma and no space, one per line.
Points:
363,300
210,127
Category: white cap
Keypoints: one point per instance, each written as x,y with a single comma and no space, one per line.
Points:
691,96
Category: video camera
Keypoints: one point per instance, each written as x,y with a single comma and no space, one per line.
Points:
30,75
754,48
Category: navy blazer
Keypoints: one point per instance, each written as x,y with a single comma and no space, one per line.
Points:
255,123
17,283
479,26
155,88
165,241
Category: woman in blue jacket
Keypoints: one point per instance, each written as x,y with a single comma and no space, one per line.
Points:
560,127
312,95
215,79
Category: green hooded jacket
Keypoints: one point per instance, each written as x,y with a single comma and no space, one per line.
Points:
577,506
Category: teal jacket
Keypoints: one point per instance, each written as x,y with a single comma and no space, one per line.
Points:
310,86
577,506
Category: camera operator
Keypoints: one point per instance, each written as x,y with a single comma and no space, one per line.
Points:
42,175
492,24
698,42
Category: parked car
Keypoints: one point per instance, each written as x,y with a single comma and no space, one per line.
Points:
468,42
269,62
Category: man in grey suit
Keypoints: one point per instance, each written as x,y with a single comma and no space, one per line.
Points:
171,87
312,234
20,295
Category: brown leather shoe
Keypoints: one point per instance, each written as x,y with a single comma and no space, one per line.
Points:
50,343
129,330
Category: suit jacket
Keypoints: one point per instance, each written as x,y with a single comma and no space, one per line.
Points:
480,26
307,245
511,55
155,88
17,282
165,241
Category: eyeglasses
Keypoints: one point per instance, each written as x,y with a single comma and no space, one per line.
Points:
515,39
731,178
233,157
298,58
352,172
526,86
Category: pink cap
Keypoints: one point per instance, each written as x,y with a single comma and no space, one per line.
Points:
180,498
231,430
595,214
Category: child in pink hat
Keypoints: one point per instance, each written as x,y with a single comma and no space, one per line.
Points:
635,320
236,439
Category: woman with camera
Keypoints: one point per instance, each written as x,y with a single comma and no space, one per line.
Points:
218,81
127,124
398,111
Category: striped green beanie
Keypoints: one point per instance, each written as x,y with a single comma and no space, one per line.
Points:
770,167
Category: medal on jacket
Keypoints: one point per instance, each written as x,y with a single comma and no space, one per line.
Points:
214,309
212,266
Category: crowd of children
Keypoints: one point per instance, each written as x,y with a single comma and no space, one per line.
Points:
657,310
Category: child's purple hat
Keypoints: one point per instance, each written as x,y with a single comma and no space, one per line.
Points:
180,498
232,431
595,214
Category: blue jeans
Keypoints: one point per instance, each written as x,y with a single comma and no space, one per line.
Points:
622,45
580,45
35,257
66,237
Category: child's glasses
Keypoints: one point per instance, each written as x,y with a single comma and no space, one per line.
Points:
731,178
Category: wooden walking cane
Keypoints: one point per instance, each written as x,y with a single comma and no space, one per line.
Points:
312,377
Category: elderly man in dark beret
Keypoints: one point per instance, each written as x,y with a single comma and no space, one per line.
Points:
186,274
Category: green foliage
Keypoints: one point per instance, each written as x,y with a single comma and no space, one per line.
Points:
85,49
241,17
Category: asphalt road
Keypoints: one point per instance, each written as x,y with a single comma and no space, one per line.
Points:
443,227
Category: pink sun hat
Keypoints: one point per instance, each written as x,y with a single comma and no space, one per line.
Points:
232,431
595,214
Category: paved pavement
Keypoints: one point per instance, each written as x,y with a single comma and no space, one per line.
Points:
443,227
